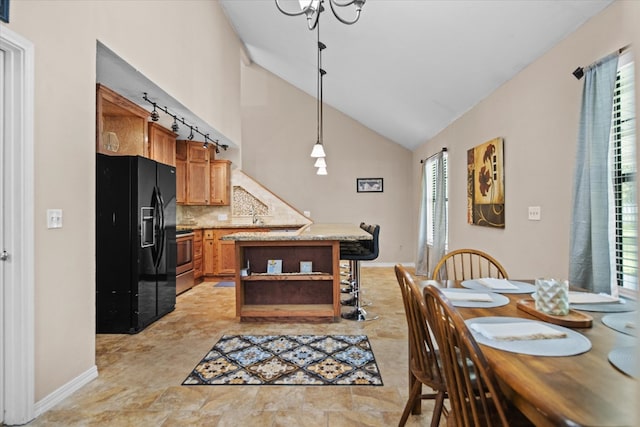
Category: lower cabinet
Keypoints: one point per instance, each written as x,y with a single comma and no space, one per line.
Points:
197,254
219,256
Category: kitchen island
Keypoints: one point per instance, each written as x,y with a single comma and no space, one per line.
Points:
291,276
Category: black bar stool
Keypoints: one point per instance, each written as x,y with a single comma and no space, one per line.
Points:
354,252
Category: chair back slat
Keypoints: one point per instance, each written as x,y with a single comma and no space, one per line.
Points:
465,264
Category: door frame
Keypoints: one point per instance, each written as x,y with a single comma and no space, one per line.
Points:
18,302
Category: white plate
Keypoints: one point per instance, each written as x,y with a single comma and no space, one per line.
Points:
574,343
497,299
523,288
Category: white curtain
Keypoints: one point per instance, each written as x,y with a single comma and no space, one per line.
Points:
589,245
432,215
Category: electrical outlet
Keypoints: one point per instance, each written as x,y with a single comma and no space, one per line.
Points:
223,217
54,218
534,213
307,214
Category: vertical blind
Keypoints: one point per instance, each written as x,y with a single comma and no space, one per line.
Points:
431,196
623,160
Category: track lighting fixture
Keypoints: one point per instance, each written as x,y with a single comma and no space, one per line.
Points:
174,127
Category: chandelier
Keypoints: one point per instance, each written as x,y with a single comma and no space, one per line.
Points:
313,8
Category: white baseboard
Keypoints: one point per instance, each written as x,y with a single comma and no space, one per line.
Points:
65,391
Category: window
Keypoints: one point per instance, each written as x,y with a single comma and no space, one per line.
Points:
431,197
624,224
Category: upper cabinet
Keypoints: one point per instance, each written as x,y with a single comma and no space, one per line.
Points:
197,174
201,180
121,125
162,144
220,182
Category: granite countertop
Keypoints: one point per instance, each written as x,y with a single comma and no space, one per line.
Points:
342,232
228,225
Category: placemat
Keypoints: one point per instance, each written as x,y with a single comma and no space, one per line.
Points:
624,358
497,299
523,288
574,343
621,321
624,305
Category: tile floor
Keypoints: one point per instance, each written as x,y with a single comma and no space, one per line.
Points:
140,375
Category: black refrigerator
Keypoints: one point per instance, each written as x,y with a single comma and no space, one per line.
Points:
135,242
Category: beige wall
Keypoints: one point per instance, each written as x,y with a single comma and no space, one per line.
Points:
537,115
185,47
278,132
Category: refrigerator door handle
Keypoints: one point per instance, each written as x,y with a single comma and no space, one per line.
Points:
160,243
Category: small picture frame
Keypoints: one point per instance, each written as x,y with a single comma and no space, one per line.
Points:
4,11
274,266
306,266
369,185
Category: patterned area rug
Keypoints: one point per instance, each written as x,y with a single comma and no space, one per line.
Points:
288,360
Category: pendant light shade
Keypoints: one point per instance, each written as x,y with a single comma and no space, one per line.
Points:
320,163
318,150
321,171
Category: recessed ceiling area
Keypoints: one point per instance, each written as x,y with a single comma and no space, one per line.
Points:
408,68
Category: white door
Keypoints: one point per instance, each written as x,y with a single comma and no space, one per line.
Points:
16,229
3,254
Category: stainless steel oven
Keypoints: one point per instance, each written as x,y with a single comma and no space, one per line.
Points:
184,261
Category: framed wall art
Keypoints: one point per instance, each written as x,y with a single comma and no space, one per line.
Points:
485,184
369,185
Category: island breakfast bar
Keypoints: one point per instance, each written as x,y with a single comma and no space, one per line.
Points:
291,276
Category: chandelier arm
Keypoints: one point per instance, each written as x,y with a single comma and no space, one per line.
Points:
302,12
338,17
337,3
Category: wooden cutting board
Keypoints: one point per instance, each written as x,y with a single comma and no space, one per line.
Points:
574,319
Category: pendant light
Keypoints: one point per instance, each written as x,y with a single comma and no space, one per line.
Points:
320,163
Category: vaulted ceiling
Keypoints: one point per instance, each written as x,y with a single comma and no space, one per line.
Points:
408,68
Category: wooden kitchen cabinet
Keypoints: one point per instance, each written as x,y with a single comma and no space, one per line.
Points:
162,144
121,125
197,174
181,172
219,182
219,256
208,253
225,263
201,180
197,254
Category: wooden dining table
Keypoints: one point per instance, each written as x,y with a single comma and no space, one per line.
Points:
580,390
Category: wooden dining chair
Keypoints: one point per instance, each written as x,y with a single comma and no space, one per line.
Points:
465,264
424,366
474,395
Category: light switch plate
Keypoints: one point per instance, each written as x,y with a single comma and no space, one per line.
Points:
54,218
